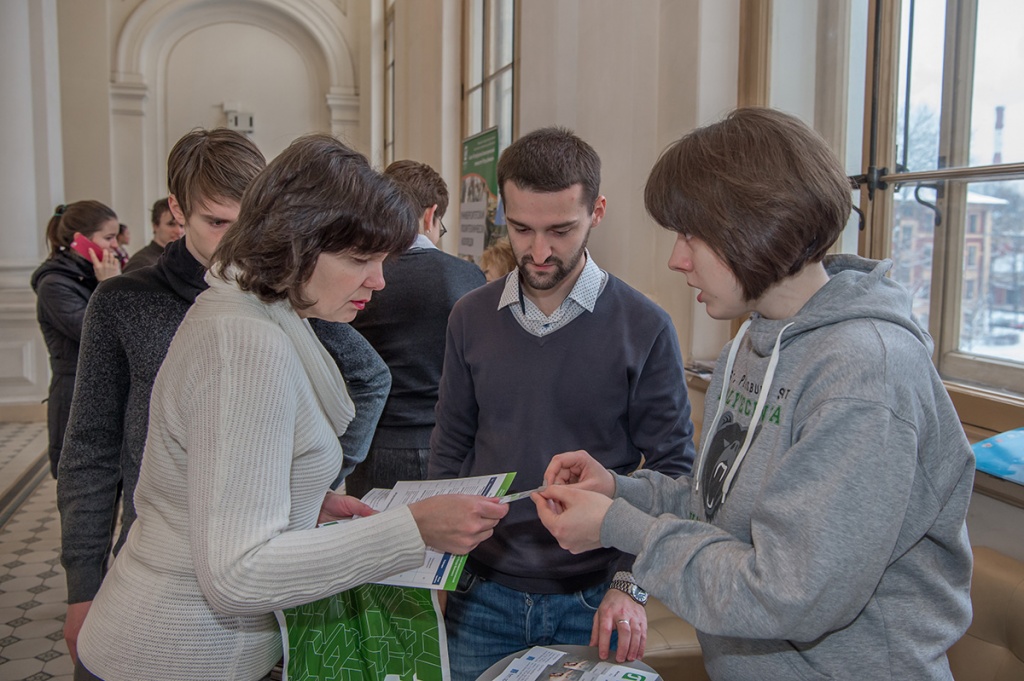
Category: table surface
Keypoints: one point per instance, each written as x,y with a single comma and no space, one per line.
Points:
587,652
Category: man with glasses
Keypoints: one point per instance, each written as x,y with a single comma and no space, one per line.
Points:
406,322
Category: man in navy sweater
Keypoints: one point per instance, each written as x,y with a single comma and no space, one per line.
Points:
559,355
405,323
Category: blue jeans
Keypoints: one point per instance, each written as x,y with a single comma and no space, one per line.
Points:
487,621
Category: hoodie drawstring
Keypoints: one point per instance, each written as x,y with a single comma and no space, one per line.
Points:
762,399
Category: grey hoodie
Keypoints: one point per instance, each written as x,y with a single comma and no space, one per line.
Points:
840,550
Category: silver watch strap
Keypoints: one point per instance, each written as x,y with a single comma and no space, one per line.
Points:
623,575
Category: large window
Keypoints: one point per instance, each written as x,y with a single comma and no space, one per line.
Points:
956,222
489,73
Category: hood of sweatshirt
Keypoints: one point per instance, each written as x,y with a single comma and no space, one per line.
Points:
858,288
66,264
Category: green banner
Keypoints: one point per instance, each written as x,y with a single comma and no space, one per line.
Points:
478,195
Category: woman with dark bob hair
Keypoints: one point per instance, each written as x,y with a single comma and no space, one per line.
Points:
63,285
243,446
823,532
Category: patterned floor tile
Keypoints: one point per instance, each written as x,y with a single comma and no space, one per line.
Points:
33,598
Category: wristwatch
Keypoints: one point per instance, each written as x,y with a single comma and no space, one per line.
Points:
631,589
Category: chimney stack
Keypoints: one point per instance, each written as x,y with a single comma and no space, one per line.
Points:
997,146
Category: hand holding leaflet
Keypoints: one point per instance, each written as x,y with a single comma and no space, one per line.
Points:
456,523
440,569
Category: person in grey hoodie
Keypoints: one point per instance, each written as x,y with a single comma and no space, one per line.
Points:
823,534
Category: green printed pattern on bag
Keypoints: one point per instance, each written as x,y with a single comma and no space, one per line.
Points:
366,634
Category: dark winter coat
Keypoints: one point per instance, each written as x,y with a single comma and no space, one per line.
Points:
63,286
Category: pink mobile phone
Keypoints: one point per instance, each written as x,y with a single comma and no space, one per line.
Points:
83,245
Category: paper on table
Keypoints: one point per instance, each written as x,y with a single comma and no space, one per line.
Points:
546,664
439,570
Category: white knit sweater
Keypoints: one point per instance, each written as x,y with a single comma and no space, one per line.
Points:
242,446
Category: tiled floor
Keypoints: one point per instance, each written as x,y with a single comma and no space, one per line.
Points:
32,589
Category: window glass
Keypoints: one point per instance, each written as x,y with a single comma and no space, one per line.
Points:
488,85
475,51
992,305
997,107
500,35
919,102
913,243
500,107
474,112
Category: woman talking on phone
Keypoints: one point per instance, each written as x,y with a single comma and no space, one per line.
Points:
82,237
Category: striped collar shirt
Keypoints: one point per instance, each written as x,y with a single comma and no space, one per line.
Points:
582,297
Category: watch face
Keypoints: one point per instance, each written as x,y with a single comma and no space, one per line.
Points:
638,594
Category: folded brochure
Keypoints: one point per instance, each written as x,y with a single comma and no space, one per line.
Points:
439,570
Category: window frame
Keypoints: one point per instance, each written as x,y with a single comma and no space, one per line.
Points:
983,410
959,369
389,83
489,76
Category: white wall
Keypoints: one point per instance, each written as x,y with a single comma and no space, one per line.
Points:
97,91
84,40
232,63
428,88
630,78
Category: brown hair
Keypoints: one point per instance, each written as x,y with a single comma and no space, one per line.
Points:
318,196
85,217
763,190
423,183
160,206
551,160
500,255
215,165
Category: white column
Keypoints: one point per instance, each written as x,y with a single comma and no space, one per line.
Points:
132,177
344,108
30,185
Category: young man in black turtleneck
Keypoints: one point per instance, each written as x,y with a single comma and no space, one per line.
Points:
127,330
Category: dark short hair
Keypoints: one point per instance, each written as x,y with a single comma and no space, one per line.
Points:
551,160
211,165
422,182
85,217
760,188
318,196
160,206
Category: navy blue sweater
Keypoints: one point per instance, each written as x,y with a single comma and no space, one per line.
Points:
610,382
405,323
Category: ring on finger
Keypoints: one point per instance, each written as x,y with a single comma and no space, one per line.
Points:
626,622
